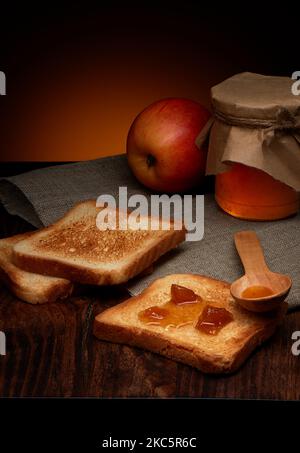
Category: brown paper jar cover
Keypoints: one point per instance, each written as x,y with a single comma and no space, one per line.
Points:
255,141
256,123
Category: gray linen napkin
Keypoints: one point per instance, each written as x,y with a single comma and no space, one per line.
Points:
43,196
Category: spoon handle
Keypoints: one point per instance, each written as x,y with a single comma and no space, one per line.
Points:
250,251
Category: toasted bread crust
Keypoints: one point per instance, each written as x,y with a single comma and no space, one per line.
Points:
154,343
109,326
57,291
77,273
34,289
56,266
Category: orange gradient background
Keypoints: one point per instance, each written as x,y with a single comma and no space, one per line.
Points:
75,82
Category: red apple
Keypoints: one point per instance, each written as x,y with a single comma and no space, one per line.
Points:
161,148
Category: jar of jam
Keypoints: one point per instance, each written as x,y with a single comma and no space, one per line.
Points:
254,147
249,193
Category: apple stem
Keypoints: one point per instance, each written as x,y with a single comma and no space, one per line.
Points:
150,160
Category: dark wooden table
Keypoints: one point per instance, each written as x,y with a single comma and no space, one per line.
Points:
51,352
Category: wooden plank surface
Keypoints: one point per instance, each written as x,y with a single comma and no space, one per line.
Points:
51,352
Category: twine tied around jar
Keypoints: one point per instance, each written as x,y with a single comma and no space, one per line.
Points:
285,122
227,134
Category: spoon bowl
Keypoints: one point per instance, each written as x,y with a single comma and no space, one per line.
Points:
269,289
279,284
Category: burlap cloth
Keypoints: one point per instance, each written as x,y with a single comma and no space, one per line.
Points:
42,196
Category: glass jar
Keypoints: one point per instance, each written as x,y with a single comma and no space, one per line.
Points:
254,146
249,193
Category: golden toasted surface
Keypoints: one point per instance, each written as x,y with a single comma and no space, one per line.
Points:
83,239
86,247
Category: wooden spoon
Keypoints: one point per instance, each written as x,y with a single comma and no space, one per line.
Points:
258,278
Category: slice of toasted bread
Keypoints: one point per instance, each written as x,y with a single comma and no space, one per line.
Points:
75,248
220,353
32,288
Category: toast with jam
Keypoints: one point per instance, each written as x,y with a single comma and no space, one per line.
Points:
191,319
